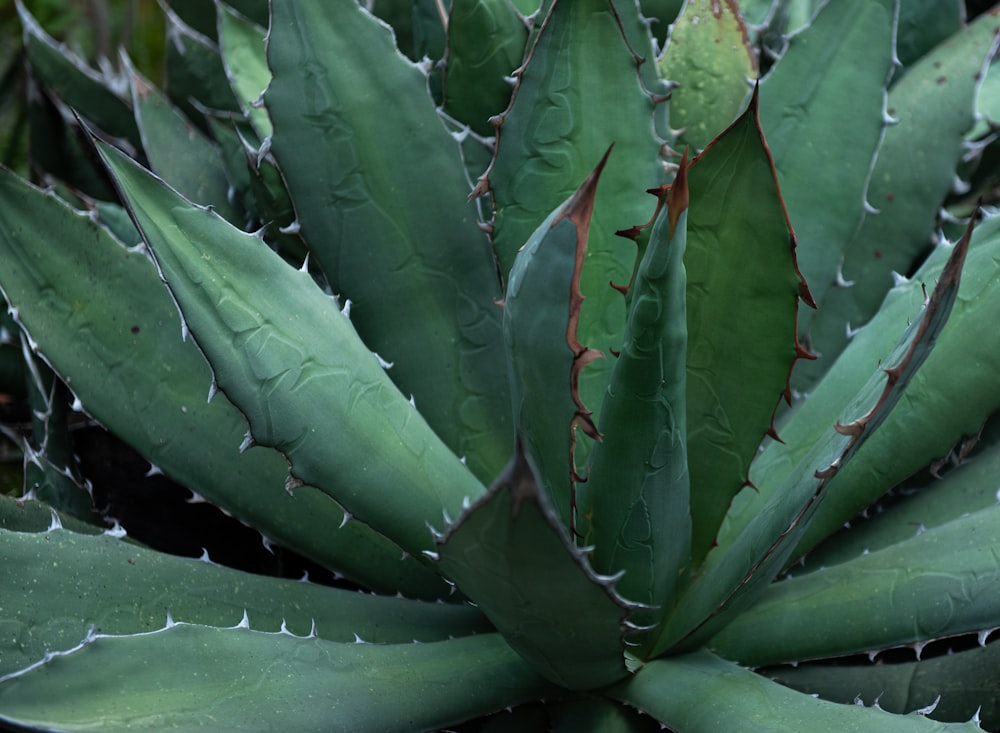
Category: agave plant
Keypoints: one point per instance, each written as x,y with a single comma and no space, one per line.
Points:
574,438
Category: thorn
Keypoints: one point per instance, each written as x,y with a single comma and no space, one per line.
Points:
116,530
292,228
248,443
244,622
345,520
54,522
292,483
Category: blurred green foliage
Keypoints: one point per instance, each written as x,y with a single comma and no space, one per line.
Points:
94,29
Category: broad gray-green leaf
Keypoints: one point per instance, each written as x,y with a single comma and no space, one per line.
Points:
942,582
546,359
286,355
369,189
511,555
100,315
121,588
310,683
845,53
708,694
739,569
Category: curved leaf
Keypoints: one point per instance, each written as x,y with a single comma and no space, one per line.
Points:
285,354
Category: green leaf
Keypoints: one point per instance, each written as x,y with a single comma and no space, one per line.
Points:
179,153
310,683
923,24
710,57
956,686
918,506
578,92
510,554
297,392
742,566
545,356
744,289
846,53
368,188
475,85
949,398
638,490
100,315
934,105
76,84
709,694
117,587
241,43
31,515
941,582
194,70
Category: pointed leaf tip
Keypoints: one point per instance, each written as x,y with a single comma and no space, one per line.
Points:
679,197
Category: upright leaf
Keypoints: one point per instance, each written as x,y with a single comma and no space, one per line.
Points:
578,91
178,152
367,187
739,570
934,105
545,356
845,53
486,43
637,493
710,57
743,297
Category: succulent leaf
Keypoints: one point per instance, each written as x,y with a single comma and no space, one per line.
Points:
710,56
934,103
638,489
123,588
423,287
263,348
475,80
112,333
828,612
736,572
845,53
241,43
738,370
512,556
309,679
177,151
542,312
578,91
955,686
194,69
949,399
741,699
